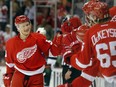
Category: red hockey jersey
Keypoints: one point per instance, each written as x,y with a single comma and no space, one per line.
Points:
28,56
100,45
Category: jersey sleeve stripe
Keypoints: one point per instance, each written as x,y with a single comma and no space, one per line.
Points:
67,52
88,77
30,73
82,65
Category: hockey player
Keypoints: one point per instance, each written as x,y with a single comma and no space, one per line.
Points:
25,55
98,54
70,23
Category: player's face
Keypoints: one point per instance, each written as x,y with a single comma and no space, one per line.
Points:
24,28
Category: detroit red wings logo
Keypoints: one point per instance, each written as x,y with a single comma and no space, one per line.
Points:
26,53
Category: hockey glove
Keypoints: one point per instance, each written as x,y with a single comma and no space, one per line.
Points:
57,40
7,79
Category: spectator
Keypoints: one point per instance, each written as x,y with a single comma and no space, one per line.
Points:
45,18
49,32
2,44
3,14
29,10
15,7
8,33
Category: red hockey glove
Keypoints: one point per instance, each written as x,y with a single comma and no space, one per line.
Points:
68,39
57,40
72,41
65,85
76,47
7,79
57,45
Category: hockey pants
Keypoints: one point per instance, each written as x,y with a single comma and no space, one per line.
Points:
21,80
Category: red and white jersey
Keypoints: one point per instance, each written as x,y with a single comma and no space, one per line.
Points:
28,56
100,45
71,45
